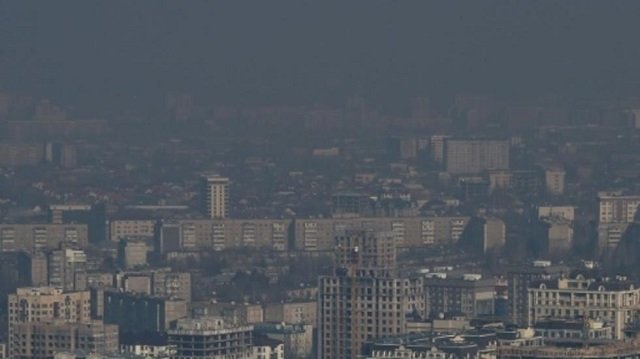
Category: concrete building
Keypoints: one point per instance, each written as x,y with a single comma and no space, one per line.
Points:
484,234
41,340
132,254
215,196
265,347
474,156
236,313
297,338
93,216
559,236
437,148
161,282
295,312
131,229
67,269
364,298
615,212
141,315
614,301
520,278
554,179
470,295
220,234
318,234
561,212
211,338
572,331
34,238
44,304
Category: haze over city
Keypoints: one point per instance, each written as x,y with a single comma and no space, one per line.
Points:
319,180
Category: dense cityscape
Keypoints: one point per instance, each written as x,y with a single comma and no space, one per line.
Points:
455,223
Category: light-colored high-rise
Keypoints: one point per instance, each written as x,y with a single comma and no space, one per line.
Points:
215,195
364,299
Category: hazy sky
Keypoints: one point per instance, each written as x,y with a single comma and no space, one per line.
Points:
122,53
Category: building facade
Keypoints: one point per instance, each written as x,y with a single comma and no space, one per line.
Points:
474,156
215,196
613,301
364,298
210,338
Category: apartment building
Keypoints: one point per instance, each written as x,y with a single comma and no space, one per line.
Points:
34,238
614,301
364,298
45,304
615,212
520,278
474,156
42,340
318,234
131,229
220,234
469,294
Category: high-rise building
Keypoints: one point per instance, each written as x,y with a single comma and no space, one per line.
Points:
43,304
519,280
215,196
67,269
473,156
364,298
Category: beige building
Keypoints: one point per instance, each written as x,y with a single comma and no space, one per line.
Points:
132,254
33,238
494,233
296,312
614,207
131,228
554,179
561,212
616,211
364,299
474,156
220,234
318,234
613,301
42,340
157,282
215,196
43,304
559,237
